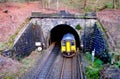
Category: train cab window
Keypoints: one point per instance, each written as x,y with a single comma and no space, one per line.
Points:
72,43
63,43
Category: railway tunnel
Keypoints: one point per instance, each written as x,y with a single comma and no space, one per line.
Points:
58,31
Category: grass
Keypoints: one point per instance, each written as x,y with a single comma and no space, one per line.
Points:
28,62
10,76
2,46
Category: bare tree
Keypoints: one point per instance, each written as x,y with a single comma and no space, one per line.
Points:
116,4
95,5
85,4
57,4
49,3
44,3
4,1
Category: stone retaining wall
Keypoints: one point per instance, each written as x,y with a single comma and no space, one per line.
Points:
25,42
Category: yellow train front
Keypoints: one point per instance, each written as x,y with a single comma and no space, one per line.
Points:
68,45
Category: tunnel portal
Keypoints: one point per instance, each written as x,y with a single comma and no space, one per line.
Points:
58,31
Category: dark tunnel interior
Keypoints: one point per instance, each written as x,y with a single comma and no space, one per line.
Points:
58,31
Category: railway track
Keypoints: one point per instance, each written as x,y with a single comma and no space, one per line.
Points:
66,72
48,64
34,72
72,68
55,66
80,70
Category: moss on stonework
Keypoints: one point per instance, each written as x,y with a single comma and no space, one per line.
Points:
78,27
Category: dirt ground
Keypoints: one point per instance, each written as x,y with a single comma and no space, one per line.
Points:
111,22
12,15
13,69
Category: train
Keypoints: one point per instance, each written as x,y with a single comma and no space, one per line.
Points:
68,45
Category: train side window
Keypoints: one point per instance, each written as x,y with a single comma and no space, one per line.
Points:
63,43
72,43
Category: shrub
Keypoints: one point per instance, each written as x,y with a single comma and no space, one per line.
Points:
117,64
92,71
78,27
109,5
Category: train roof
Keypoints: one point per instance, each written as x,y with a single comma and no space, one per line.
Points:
68,36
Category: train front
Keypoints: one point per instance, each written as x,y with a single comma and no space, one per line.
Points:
68,45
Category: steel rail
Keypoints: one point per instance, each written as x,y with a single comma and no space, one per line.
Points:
80,67
63,66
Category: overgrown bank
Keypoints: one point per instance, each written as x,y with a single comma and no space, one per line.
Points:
99,70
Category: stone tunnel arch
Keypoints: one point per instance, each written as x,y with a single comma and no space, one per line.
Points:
58,31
